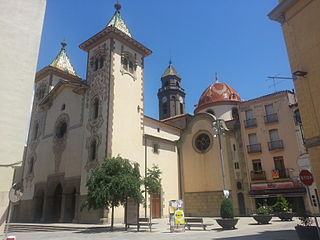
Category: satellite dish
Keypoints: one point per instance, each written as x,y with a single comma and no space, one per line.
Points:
15,193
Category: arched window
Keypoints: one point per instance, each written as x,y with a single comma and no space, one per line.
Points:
61,130
125,64
96,64
130,67
235,113
101,62
31,165
93,150
95,108
165,108
181,108
36,131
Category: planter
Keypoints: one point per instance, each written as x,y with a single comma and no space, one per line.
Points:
285,216
262,219
307,232
227,223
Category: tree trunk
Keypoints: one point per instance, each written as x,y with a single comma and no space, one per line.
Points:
150,217
126,215
112,217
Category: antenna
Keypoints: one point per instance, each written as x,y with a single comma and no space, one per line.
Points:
274,78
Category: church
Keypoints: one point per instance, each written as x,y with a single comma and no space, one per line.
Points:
76,123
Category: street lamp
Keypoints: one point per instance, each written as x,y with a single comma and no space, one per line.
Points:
219,128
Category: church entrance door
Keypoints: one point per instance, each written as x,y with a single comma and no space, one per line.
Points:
155,205
39,200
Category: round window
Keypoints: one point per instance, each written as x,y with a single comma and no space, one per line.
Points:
202,142
61,130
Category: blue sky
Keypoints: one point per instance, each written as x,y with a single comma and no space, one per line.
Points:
233,38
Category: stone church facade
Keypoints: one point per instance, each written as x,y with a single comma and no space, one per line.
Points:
76,123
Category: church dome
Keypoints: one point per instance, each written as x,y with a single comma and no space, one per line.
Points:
218,92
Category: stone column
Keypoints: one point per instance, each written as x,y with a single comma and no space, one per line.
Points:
46,209
63,207
76,209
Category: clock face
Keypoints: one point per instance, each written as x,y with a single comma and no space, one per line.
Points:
164,99
181,99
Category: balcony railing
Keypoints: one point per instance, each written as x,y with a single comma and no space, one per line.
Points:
258,175
254,148
275,145
250,123
271,118
280,173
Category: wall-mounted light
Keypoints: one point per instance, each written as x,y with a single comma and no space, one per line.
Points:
299,73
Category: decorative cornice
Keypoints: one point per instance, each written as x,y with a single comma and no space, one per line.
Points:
49,69
79,88
112,32
278,13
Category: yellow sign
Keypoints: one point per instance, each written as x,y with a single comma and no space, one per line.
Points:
179,217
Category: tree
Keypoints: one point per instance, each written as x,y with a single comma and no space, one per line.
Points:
282,205
226,209
152,181
110,185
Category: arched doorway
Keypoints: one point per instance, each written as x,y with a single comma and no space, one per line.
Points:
57,198
38,200
70,205
241,204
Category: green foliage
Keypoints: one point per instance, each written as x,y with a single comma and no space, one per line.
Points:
281,205
152,181
112,183
264,210
226,209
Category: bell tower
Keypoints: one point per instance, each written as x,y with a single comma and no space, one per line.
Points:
171,96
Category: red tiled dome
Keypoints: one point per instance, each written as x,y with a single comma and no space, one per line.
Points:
218,92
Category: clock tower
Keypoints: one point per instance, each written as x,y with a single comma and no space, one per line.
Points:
171,96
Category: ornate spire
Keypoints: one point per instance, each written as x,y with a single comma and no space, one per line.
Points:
117,21
216,77
63,62
170,71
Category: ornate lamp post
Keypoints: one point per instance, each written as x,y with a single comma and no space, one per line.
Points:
219,128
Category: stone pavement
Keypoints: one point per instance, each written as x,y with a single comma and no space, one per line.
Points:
247,229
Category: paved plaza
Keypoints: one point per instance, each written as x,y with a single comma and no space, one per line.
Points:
246,229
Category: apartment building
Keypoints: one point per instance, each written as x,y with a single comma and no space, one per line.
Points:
273,141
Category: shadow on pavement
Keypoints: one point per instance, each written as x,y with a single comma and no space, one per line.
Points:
267,235
100,230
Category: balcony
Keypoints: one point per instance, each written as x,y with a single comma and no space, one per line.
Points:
258,175
254,148
250,123
275,145
280,173
271,118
